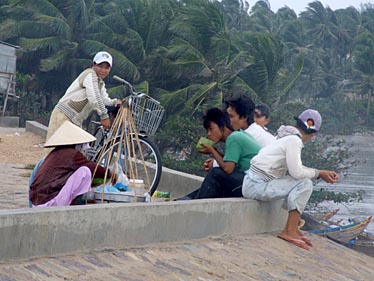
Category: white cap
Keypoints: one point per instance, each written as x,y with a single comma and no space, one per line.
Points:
103,57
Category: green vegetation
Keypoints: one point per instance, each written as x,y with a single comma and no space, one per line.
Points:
30,166
321,195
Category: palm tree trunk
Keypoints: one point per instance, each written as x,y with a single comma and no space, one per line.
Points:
368,106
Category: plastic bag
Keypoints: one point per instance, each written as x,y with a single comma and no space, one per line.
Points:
121,178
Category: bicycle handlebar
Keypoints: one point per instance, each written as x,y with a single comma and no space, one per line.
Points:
124,82
139,94
115,77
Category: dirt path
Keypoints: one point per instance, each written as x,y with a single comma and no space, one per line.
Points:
17,149
20,147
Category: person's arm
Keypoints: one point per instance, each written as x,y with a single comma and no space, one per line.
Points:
226,166
295,167
94,97
80,160
107,100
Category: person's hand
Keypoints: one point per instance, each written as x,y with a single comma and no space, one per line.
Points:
208,164
118,103
207,149
105,123
329,176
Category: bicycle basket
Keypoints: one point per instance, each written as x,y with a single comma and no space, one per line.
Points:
147,113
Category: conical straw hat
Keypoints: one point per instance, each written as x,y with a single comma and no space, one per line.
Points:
69,134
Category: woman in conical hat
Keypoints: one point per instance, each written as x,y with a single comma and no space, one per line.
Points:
65,173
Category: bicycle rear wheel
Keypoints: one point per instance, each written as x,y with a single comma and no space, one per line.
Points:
151,165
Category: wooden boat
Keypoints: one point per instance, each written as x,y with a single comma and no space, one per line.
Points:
345,233
364,243
367,236
325,215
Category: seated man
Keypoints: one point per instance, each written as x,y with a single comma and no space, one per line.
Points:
240,111
277,172
261,117
65,173
225,180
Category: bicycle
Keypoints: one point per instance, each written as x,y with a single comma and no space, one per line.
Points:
137,148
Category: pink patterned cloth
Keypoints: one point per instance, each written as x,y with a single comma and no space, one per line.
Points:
78,183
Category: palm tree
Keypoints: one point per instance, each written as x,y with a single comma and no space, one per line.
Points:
363,61
325,37
264,77
58,38
204,58
261,17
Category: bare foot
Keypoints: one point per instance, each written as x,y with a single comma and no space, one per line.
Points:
294,240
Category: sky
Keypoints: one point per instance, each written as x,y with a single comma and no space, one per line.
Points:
300,5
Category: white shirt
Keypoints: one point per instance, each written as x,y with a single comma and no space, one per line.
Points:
262,136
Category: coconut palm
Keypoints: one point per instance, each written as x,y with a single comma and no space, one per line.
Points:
204,58
261,17
59,33
363,61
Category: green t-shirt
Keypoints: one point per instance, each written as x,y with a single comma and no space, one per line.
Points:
240,147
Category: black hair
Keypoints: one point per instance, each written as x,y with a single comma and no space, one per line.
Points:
301,125
244,106
217,116
262,109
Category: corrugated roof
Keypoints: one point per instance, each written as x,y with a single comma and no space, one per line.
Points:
8,44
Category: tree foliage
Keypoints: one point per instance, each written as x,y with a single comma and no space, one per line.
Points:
192,54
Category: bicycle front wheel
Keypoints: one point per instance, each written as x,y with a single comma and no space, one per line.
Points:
132,157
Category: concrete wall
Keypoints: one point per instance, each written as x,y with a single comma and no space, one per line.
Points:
58,230
178,183
36,128
9,121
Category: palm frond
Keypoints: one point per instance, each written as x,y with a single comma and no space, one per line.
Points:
56,25
33,44
40,6
55,61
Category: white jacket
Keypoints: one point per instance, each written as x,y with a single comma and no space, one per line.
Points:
282,155
86,94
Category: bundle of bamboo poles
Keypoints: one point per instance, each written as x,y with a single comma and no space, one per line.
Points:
124,129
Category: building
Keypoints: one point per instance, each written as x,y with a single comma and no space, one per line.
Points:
7,74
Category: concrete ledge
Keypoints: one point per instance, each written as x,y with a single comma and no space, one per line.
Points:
36,128
58,230
178,183
9,121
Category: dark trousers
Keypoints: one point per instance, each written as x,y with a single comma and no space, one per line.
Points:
218,184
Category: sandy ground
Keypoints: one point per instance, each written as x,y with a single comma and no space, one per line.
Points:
20,147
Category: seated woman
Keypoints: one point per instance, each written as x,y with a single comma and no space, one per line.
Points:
65,173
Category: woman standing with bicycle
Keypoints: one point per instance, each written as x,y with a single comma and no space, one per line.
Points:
86,94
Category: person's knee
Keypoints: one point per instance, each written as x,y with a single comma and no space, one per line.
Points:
84,172
216,170
307,184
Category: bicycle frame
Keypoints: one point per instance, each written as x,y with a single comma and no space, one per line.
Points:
140,114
